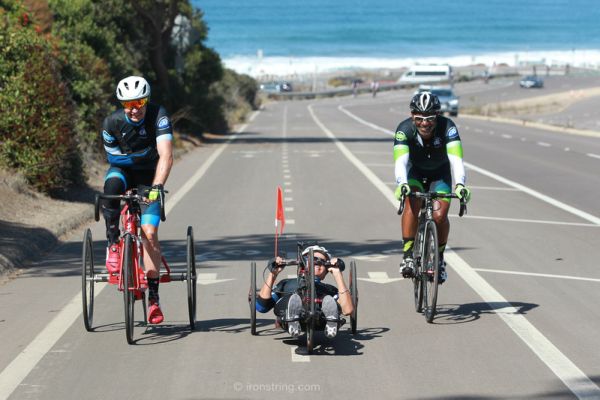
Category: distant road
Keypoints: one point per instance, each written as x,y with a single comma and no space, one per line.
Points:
518,316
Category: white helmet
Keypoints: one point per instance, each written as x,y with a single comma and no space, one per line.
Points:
316,249
133,88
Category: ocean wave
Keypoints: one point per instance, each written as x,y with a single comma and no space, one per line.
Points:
290,66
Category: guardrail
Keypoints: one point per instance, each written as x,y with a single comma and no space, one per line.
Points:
349,91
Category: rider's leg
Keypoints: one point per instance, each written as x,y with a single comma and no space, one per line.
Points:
152,258
115,183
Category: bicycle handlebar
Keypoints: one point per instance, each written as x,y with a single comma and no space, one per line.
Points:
129,196
435,195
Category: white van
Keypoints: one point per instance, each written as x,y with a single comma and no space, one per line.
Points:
426,73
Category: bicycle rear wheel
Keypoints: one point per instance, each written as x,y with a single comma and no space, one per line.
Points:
128,283
252,298
430,272
354,295
87,280
191,277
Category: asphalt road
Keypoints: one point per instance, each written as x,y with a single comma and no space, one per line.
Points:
518,317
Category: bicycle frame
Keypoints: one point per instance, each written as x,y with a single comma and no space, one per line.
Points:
426,252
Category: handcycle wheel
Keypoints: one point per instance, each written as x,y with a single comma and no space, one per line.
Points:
354,295
87,280
252,298
310,324
430,271
128,282
191,277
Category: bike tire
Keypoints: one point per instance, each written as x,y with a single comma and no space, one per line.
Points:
87,280
128,282
417,279
310,324
252,298
191,277
354,295
430,271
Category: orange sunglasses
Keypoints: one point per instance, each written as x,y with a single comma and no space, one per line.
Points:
139,103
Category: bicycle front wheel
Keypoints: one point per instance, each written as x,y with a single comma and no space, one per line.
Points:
128,283
430,270
87,280
191,277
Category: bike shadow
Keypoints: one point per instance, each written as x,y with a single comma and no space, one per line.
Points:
232,325
471,312
344,344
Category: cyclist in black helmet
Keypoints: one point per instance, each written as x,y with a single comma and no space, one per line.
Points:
427,154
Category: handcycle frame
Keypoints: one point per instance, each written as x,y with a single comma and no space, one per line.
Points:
131,279
426,251
311,316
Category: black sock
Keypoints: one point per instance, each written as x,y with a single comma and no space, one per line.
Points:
153,289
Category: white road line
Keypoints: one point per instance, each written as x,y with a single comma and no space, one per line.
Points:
288,199
22,365
581,214
578,382
287,190
299,357
531,221
592,155
290,221
289,209
499,271
558,363
544,144
508,189
506,136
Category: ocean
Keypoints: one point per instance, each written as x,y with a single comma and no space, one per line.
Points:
285,37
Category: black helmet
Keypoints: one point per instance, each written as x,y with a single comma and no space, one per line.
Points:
425,102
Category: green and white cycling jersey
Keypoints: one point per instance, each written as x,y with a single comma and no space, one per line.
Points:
411,151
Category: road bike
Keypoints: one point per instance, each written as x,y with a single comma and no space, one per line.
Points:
131,278
311,318
426,251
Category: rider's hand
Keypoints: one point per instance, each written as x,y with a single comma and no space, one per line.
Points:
155,192
402,189
275,265
337,263
459,189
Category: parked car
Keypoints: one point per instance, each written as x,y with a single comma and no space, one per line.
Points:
449,101
531,81
276,87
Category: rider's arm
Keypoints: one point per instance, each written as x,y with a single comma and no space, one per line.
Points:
164,146
344,299
165,162
265,301
455,153
400,157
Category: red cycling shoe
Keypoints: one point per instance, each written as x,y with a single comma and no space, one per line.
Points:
112,259
155,315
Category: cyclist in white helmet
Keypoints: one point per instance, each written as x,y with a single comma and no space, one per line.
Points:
287,304
427,154
138,143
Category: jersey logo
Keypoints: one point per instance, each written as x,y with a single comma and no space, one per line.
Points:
452,132
437,142
400,136
108,138
163,123
142,131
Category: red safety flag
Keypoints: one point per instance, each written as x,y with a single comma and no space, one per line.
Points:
279,217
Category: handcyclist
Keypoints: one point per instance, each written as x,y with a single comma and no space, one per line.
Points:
287,303
138,143
427,154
